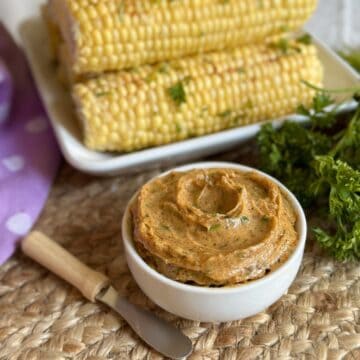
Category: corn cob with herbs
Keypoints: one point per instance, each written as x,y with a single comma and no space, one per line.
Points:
158,104
103,35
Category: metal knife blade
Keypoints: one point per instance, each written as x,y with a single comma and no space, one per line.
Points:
162,336
94,285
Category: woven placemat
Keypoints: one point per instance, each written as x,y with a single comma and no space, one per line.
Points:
41,317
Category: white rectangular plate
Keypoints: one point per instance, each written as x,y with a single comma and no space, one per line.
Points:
60,110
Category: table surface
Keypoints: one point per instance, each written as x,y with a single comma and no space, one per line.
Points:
42,317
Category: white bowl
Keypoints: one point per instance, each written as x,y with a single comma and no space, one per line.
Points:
215,304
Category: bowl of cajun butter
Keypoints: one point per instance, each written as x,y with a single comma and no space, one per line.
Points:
214,241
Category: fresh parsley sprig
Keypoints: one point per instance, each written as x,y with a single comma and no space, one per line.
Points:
343,186
320,163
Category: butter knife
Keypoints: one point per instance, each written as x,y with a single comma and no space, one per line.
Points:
157,333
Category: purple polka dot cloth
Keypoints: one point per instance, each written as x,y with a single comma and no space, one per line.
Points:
29,156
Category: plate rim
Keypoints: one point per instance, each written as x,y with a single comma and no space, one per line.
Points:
126,162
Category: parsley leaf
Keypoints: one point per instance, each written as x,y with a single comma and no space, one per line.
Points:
343,185
352,57
177,93
305,39
319,116
348,146
287,152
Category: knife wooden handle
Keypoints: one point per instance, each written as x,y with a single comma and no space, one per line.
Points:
56,259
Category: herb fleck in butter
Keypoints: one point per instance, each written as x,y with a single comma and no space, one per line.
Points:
214,227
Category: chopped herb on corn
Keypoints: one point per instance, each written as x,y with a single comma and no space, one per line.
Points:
177,93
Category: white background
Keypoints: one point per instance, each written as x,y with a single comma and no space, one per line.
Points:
336,21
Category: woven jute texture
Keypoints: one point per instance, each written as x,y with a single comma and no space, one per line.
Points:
42,317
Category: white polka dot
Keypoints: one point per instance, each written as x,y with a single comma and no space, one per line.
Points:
14,163
36,125
19,223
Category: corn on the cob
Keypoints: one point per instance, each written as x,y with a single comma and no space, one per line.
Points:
101,35
158,104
